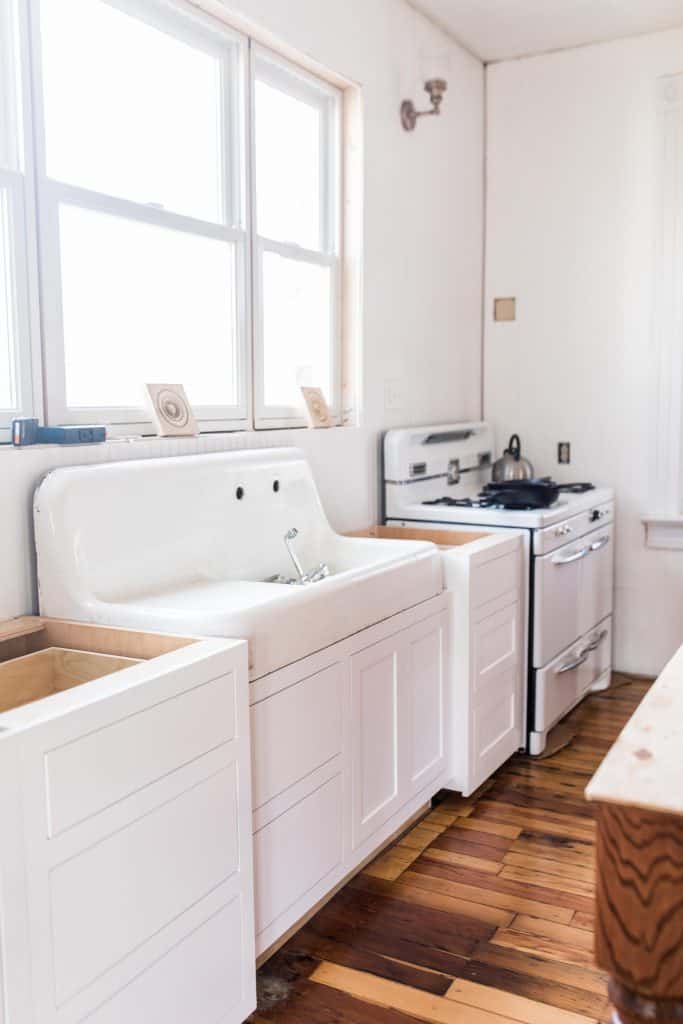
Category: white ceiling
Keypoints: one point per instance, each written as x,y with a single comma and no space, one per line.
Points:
501,29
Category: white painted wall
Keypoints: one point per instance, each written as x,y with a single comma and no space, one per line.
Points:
572,199
422,261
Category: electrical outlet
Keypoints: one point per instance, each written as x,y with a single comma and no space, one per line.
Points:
564,452
394,398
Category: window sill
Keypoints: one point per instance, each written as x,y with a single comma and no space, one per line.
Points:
210,440
663,531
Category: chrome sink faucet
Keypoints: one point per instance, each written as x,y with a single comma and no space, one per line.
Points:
314,575
289,537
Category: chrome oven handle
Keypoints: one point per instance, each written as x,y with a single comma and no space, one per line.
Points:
574,663
601,542
595,642
574,557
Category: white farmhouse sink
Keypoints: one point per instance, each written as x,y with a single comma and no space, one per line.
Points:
185,545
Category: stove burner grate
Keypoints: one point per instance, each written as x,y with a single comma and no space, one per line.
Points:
483,502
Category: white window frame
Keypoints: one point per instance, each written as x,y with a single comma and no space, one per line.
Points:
271,67
16,181
664,519
185,22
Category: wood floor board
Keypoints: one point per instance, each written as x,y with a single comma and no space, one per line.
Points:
507,882
312,1003
550,930
464,860
520,1008
549,866
543,990
551,824
437,899
481,913
496,828
555,882
536,965
422,1005
489,898
551,949
485,851
477,837
568,851
314,948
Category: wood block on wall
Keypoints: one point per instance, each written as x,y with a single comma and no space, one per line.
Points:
505,309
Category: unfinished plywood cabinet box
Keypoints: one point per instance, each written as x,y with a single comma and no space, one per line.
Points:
125,854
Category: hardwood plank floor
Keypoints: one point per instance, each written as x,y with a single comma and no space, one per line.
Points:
481,914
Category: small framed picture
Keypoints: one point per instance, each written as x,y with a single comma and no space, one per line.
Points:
317,409
171,410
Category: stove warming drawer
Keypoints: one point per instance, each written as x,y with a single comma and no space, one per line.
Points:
569,676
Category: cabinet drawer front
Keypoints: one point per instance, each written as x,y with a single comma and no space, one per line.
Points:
495,577
95,771
294,852
296,731
496,715
496,643
100,913
212,956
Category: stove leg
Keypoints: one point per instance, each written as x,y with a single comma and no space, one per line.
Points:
537,742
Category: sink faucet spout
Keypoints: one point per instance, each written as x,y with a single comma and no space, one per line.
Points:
289,537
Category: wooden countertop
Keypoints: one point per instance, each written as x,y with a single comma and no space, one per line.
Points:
644,768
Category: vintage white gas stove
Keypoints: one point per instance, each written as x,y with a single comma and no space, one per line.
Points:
435,474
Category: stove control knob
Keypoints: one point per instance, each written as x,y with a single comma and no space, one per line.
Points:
562,531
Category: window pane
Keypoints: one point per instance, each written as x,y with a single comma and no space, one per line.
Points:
288,181
131,111
296,329
10,117
8,397
143,303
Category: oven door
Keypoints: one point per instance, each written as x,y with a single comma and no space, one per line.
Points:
572,592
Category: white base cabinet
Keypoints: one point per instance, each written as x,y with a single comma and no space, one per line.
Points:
346,746
398,715
486,579
125,849
485,575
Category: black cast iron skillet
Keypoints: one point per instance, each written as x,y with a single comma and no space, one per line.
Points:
523,494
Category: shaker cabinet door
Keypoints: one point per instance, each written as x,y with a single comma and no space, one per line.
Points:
377,710
398,722
425,654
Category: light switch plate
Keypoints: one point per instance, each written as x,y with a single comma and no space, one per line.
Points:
505,309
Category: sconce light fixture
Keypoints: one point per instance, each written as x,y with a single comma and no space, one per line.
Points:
436,87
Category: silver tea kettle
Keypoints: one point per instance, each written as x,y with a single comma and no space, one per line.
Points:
511,465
